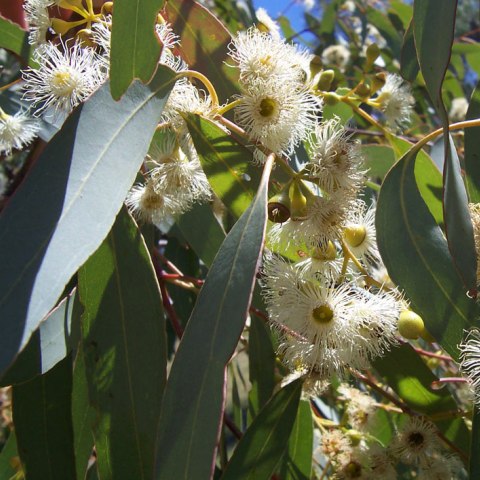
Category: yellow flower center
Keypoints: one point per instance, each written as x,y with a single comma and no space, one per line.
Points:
267,107
322,314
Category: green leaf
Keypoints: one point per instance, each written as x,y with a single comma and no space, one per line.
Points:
72,193
203,44
409,377
378,159
263,444
474,469
194,396
202,231
50,343
83,415
227,164
125,350
433,50
7,457
43,424
136,47
409,67
472,149
429,18
458,224
15,39
261,362
297,463
428,178
417,257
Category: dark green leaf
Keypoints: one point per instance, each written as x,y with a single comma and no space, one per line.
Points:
430,17
193,400
409,377
227,164
203,44
263,444
50,343
297,463
457,220
261,362
43,424
202,231
472,149
83,415
125,351
417,257
9,457
409,67
135,45
474,469
15,39
68,202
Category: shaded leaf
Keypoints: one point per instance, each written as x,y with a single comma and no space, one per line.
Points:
409,377
424,268
8,457
261,363
83,415
203,44
265,441
43,424
15,39
227,164
135,45
125,351
68,202
458,224
472,148
474,468
409,67
378,159
194,396
50,343
297,464
202,231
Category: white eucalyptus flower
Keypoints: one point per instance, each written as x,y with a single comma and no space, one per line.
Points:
16,131
337,55
64,79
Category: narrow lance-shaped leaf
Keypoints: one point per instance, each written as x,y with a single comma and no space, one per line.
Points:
125,351
50,343
429,18
472,148
43,424
417,257
136,47
193,401
227,164
68,202
263,444
297,463
409,67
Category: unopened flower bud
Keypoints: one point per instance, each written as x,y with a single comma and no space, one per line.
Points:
373,52
410,325
298,202
107,8
355,235
378,81
326,79
363,90
279,207
86,37
330,99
